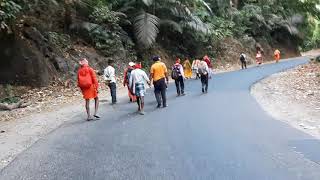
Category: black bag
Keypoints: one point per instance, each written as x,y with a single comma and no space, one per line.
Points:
175,72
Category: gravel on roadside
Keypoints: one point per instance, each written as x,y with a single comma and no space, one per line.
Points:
293,97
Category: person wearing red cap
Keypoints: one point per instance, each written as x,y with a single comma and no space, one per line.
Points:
127,74
88,83
178,76
208,61
137,85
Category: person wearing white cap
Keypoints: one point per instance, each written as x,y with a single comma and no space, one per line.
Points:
127,74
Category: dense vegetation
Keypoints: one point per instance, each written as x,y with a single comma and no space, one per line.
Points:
181,27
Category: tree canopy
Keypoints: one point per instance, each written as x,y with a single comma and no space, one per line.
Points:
209,20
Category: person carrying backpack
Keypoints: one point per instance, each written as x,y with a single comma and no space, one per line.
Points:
127,75
88,83
203,70
177,74
110,78
243,61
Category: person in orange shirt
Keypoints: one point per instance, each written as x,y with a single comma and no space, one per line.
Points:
159,76
277,55
88,83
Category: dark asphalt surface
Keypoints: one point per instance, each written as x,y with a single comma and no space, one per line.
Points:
223,135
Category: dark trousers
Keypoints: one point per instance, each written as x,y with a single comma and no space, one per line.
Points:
113,92
204,82
180,85
243,64
160,89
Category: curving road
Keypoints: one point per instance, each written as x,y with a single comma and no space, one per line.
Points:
223,135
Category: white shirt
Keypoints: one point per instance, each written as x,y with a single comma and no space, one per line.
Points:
244,55
204,66
109,74
137,76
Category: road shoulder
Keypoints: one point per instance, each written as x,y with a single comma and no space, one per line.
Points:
293,97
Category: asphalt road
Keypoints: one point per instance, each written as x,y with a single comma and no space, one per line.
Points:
222,135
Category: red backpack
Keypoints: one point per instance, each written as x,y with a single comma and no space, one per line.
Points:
84,78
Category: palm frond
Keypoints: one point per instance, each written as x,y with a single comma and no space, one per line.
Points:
174,25
292,23
196,24
146,28
148,2
206,5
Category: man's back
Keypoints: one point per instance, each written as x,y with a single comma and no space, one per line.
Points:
159,70
139,76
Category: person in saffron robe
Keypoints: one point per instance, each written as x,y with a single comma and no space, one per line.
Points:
88,83
187,69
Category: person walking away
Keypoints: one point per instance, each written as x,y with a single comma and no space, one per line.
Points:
243,61
277,55
208,61
187,69
159,76
178,76
137,85
127,74
259,58
204,76
110,78
195,65
88,83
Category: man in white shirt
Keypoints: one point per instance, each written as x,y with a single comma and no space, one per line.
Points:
137,85
110,78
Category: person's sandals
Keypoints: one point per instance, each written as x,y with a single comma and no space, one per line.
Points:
89,119
96,116
141,112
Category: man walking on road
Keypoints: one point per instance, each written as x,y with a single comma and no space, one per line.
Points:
204,76
137,85
243,61
159,76
178,76
110,78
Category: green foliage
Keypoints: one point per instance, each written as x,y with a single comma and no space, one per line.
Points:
8,11
10,98
102,14
105,40
60,41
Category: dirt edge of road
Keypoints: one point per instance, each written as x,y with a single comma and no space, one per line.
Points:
292,96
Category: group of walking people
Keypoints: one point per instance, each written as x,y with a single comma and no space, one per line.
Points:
136,80
259,58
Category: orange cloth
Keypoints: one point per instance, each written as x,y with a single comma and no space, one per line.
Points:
158,69
277,55
92,92
187,69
